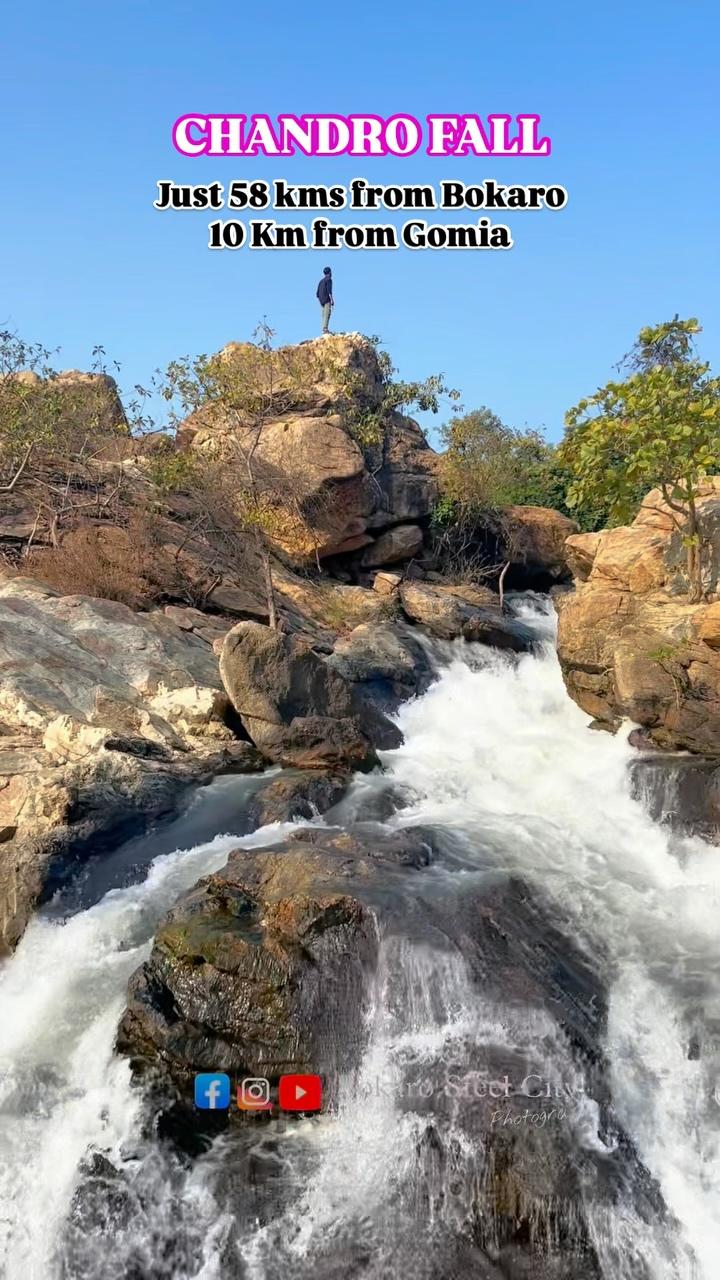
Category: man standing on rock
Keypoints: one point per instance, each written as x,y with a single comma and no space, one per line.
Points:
325,298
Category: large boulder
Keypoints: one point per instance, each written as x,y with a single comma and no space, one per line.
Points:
106,717
384,661
403,470
295,707
261,969
336,491
630,644
449,612
291,958
86,401
400,543
534,539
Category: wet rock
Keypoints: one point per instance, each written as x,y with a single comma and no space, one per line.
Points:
319,742
296,794
386,664
499,631
296,707
681,791
473,612
262,968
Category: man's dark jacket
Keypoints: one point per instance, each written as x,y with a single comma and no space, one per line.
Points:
324,290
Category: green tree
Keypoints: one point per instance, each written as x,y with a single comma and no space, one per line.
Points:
488,465
365,410
660,427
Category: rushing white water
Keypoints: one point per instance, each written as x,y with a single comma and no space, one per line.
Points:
496,753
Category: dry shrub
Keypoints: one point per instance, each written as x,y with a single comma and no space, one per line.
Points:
130,564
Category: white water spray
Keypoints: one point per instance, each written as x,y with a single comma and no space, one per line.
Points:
497,754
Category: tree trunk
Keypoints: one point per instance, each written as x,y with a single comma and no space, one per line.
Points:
268,580
694,558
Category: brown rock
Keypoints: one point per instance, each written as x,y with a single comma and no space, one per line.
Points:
297,708
708,626
317,742
630,645
535,541
386,584
580,550
400,543
472,612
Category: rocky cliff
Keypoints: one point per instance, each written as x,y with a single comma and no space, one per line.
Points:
134,652
630,644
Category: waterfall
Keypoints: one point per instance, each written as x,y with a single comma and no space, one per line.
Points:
499,761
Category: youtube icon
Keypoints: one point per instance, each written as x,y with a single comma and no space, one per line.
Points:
300,1093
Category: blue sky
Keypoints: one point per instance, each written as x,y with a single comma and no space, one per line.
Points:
626,92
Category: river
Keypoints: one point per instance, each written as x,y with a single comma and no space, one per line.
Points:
498,759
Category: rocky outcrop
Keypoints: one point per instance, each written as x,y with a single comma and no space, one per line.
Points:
106,716
404,474
472,612
262,968
343,492
535,546
296,708
630,644
296,793
270,966
401,543
91,398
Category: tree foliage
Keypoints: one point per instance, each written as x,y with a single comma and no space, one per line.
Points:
366,411
659,427
487,465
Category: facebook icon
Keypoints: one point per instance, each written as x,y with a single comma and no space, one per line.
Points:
212,1091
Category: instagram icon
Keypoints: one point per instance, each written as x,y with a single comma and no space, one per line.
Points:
254,1094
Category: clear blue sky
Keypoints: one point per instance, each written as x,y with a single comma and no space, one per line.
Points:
627,92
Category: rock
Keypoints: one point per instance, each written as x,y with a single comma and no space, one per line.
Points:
90,398
399,543
65,813
403,468
377,652
187,619
238,602
287,697
261,969
440,609
580,549
630,645
386,584
115,714
340,492
498,631
708,626
66,739
272,677
317,742
194,711
296,794
535,545
681,791
271,966
323,609
472,612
